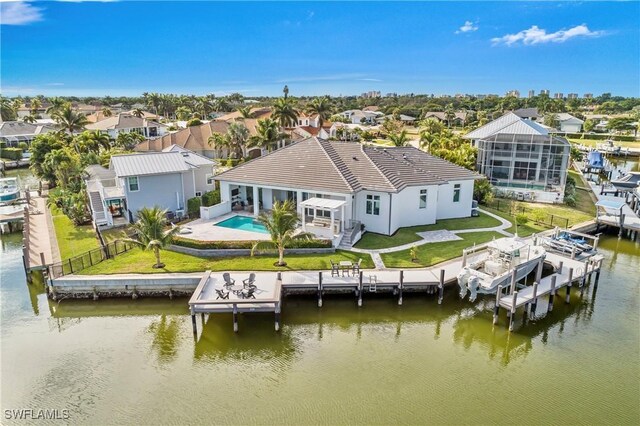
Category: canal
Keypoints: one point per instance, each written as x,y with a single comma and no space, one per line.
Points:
125,361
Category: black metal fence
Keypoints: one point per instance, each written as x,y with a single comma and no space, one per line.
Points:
93,257
536,215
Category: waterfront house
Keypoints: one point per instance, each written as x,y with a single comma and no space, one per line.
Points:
128,123
458,119
133,181
337,186
358,116
520,156
569,123
14,132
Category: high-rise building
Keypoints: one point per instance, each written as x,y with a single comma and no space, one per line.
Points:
558,95
532,93
544,92
572,96
588,95
371,94
514,93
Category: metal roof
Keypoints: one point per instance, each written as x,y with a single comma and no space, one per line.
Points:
323,203
148,164
611,204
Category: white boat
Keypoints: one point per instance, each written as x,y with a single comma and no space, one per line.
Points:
9,190
496,267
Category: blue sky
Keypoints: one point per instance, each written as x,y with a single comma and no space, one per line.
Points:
126,48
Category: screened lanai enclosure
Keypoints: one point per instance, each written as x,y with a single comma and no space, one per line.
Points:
528,166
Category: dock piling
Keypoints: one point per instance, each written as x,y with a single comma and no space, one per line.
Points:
496,308
441,287
235,318
534,301
400,288
552,293
319,289
360,288
277,315
193,324
513,310
568,297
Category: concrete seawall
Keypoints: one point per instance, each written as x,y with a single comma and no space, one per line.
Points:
241,252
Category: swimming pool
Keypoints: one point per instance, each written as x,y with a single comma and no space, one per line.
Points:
243,223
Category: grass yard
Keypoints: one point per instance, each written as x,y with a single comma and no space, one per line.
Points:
408,235
523,230
433,253
113,234
72,240
141,262
594,142
584,197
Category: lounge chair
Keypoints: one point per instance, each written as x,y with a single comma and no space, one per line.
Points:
222,294
356,267
335,269
228,281
248,293
250,282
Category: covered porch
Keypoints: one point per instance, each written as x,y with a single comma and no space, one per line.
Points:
324,217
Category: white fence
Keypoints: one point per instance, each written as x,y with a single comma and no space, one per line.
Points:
215,210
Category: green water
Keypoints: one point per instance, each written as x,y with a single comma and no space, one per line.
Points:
136,362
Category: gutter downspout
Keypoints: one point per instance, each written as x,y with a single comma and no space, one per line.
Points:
182,184
390,202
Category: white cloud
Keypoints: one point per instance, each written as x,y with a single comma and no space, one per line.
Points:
535,35
19,13
468,26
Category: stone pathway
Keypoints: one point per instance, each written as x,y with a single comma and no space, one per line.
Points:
436,237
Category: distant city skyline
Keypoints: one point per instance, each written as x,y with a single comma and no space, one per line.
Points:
87,48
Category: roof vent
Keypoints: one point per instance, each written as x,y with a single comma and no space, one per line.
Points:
185,154
404,156
355,158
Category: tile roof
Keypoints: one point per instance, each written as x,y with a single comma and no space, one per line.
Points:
346,167
20,128
257,112
527,113
194,138
122,121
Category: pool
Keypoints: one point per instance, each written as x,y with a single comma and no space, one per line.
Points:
243,223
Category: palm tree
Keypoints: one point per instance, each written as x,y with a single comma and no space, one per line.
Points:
152,233
221,104
153,101
35,106
8,112
68,119
285,113
106,112
92,141
183,113
281,224
237,135
29,119
267,134
399,139
55,104
218,141
245,112
322,107
204,106
137,113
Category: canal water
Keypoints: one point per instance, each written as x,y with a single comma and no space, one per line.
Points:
136,362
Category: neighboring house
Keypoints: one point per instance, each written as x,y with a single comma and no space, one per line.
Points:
520,155
306,120
358,116
337,186
194,138
406,119
256,113
133,181
347,131
569,123
125,123
99,115
458,120
528,113
14,132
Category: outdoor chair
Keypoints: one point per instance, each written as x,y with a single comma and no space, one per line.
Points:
248,293
228,281
335,269
356,267
222,294
250,282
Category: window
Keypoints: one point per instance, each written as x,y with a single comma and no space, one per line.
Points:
373,205
423,198
198,194
210,180
456,193
132,183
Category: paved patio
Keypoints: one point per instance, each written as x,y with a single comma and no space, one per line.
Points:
206,230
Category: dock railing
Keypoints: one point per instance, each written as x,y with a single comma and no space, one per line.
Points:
85,260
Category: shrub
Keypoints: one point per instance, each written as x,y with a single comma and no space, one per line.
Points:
570,200
23,146
483,191
522,218
413,253
12,153
221,245
538,215
194,122
193,206
211,198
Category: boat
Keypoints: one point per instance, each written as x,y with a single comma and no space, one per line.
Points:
567,243
496,267
595,160
629,181
9,190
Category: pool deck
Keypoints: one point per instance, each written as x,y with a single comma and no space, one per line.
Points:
205,230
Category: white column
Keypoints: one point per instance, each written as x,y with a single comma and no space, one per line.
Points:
304,221
332,217
344,222
298,201
256,201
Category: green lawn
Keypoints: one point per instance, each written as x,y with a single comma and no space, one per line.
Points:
72,240
584,197
523,230
408,235
138,261
433,253
113,234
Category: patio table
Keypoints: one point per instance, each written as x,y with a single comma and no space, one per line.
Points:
236,289
346,266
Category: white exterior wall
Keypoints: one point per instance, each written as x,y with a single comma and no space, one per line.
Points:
406,211
570,127
447,209
378,224
200,175
165,191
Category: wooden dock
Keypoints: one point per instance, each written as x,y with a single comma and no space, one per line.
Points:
39,245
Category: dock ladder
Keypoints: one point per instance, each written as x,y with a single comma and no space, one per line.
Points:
373,283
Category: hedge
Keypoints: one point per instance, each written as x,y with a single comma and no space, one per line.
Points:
221,245
11,153
211,198
193,206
